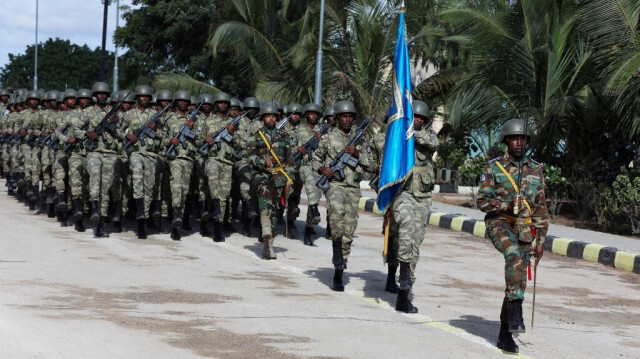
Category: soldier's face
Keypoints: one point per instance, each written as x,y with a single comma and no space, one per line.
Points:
222,107
253,112
70,102
143,101
235,111
63,107
53,104
418,122
312,117
516,145
126,106
206,107
4,98
84,102
33,102
269,120
101,98
345,121
295,118
329,120
182,105
164,103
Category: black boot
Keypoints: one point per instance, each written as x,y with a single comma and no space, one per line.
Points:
61,216
338,286
234,208
246,227
338,258
151,224
291,224
51,210
116,219
155,210
175,234
217,232
403,304
31,193
204,230
186,221
61,205
140,208
516,323
42,204
78,208
249,209
315,214
327,232
205,215
228,227
142,230
216,212
164,229
391,285
95,212
79,226
307,236
98,230
33,200
505,340
176,222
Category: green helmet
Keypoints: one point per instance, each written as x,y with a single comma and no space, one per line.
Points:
194,100
269,107
206,98
221,97
60,97
421,108
143,90
129,96
51,95
294,108
100,87
22,91
344,107
514,126
70,93
183,95
11,101
311,107
154,99
278,105
33,94
84,93
251,102
4,92
164,95
114,97
328,111
235,103
23,98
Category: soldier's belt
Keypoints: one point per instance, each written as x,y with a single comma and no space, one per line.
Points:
516,220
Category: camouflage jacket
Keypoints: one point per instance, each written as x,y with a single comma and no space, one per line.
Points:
257,152
113,139
244,133
173,125
133,120
496,192
304,134
420,184
75,124
31,119
329,148
225,152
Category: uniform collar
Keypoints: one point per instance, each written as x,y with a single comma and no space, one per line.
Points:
508,159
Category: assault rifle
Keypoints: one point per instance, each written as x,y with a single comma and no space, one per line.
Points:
183,134
105,125
145,131
284,121
311,145
344,159
222,134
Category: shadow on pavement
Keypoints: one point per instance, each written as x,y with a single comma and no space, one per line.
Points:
478,326
325,276
374,283
256,248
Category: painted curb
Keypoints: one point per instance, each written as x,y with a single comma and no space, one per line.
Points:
569,247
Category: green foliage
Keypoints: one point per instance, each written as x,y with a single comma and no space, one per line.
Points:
471,170
450,156
624,196
61,64
556,189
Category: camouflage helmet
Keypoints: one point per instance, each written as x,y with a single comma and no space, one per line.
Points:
182,95
269,107
421,108
143,90
126,96
114,97
295,108
51,95
60,97
311,107
328,111
221,97
514,126
341,107
100,87
84,93
206,98
251,102
4,92
33,94
70,93
235,103
164,95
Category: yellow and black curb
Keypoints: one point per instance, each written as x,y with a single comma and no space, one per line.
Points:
593,252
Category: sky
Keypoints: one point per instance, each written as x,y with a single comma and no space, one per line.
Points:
79,21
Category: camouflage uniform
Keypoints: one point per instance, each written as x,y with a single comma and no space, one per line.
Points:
181,167
242,168
293,209
306,174
218,166
510,236
343,197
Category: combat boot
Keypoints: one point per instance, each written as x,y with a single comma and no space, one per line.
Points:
41,203
249,209
140,208
95,212
31,193
267,247
216,212
155,210
186,221
142,228
516,323
327,231
228,227
164,229
204,229
315,214
291,227
78,209
391,285
79,226
217,232
246,227
61,205
338,286
307,236
205,215
98,230
51,210
505,340
116,219
337,258
61,216
176,222
33,200
403,304
175,234
234,209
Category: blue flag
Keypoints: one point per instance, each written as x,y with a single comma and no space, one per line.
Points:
399,156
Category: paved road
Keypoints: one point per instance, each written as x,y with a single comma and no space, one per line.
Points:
66,295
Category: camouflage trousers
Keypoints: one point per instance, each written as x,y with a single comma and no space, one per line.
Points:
6,158
46,159
293,209
242,175
60,171
201,185
78,175
309,177
406,231
218,176
517,255
36,166
126,183
145,176
105,178
164,195
179,182
343,203
25,162
268,201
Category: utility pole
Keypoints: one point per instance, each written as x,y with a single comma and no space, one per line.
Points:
35,76
115,66
317,93
104,39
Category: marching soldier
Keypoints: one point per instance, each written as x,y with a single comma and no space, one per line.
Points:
60,169
512,195
343,195
204,200
242,168
294,112
54,116
30,126
272,161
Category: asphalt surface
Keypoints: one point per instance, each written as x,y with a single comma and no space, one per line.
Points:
67,295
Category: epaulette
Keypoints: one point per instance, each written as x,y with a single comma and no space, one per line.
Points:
534,161
494,159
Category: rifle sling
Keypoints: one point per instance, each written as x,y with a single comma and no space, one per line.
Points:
279,169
